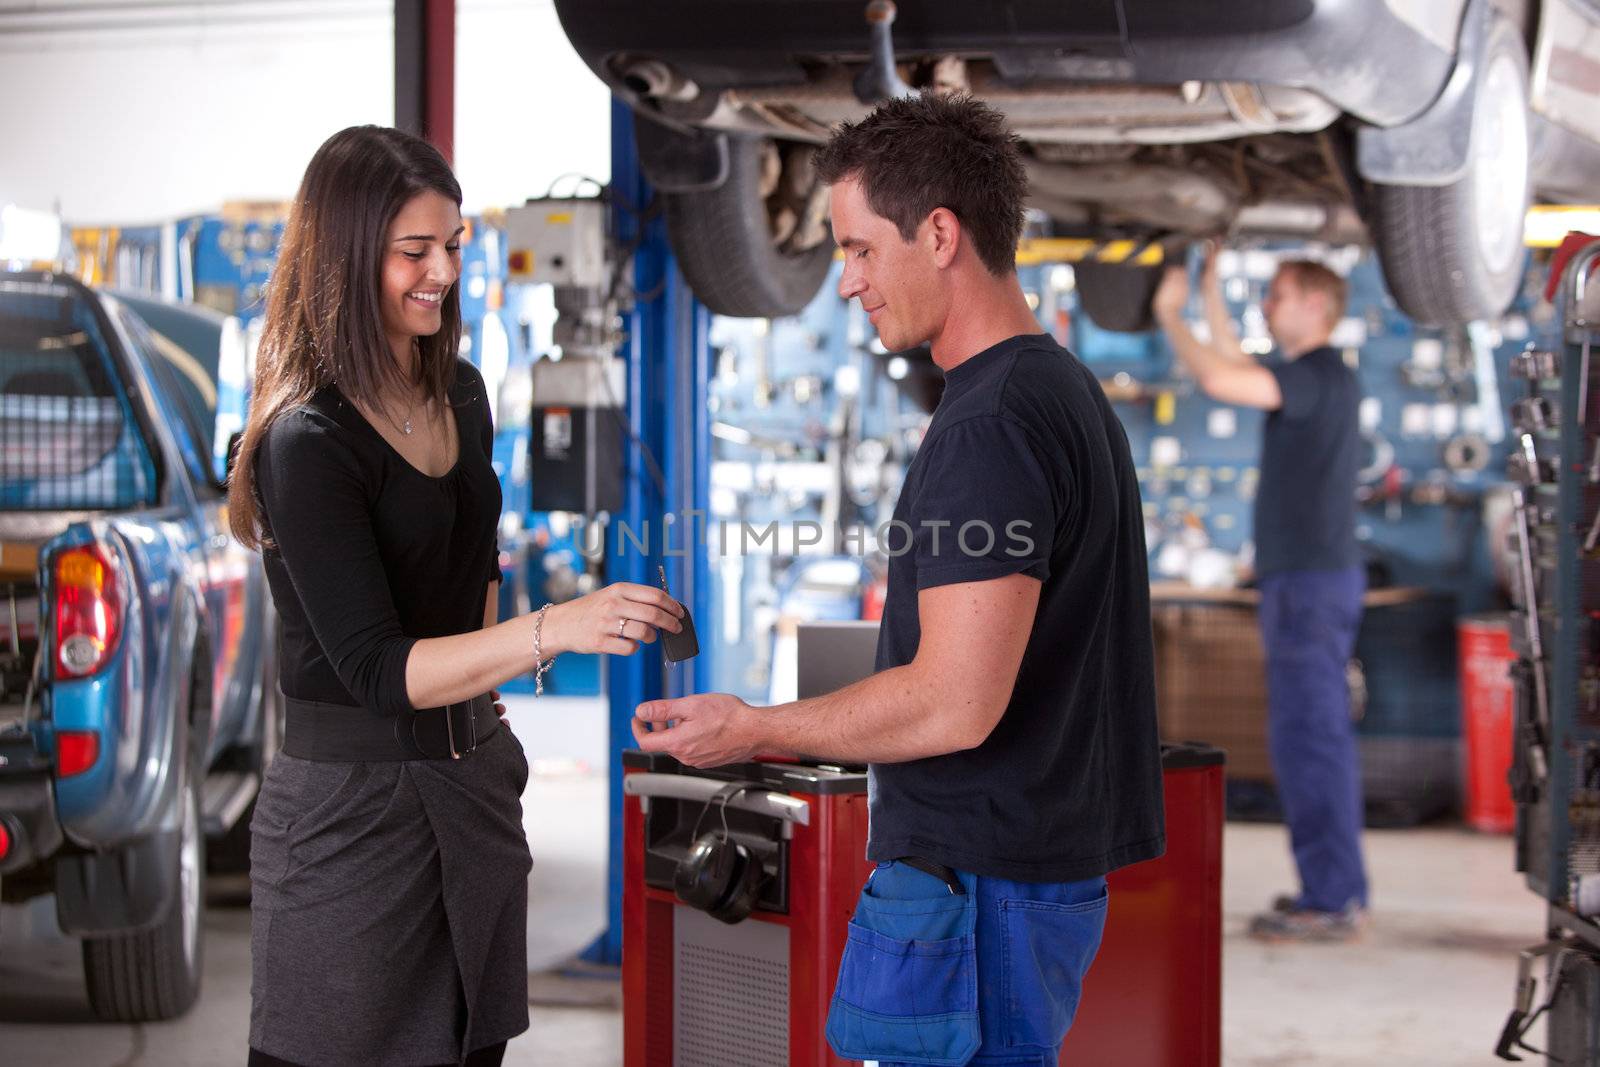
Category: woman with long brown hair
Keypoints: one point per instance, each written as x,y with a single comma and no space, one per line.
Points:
388,860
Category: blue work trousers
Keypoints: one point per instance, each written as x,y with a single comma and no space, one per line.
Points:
1308,627
990,977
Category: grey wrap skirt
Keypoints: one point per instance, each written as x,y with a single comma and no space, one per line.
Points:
389,908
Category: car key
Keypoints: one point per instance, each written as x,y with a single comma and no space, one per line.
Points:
683,645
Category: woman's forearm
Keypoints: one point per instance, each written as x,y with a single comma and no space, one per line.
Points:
613,620
447,670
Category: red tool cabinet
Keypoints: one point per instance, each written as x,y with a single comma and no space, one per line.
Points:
698,992
701,993
1154,995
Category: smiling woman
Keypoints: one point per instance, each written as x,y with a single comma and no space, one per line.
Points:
365,479
324,323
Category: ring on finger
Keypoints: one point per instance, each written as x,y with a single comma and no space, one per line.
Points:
622,628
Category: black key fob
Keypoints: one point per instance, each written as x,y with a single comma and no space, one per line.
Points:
683,645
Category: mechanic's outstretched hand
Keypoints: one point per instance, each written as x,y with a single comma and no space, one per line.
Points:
709,730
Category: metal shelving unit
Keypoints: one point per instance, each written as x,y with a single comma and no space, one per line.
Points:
1556,768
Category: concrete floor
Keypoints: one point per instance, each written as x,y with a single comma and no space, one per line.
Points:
1429,986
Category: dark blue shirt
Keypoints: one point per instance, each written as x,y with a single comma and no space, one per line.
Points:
1310,453
1026,470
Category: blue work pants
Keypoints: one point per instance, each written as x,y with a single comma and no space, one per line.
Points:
989,977
1308,627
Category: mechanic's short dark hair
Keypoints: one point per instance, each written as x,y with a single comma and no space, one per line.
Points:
918,153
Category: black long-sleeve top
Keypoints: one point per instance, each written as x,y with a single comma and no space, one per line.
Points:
369,554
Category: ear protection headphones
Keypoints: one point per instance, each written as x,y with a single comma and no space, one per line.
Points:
719,875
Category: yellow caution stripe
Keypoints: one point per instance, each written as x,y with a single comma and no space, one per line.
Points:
1032,251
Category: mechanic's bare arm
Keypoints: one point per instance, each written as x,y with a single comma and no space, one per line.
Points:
1224,338
1226,379
949,698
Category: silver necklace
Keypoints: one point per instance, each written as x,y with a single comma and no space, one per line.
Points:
405,427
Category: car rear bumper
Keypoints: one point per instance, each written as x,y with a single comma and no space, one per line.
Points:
27,808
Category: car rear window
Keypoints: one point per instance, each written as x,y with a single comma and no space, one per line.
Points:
68,437
188,390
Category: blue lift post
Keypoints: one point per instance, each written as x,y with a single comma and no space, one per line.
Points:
668,365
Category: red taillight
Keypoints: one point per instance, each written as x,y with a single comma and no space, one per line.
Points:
5,840
88,611
76,751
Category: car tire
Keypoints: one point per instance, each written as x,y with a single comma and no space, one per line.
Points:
725,239
1117,296
154,974
1453,253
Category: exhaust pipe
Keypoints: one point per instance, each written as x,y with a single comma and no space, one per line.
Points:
880,81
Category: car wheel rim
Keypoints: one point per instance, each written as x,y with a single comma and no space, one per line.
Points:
189,878
1500,151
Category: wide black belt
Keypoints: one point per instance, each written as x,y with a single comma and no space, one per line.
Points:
345,733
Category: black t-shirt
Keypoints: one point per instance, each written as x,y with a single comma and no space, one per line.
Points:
1068,785
1310,453
370,553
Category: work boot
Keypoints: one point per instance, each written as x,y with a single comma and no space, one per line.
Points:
1308,925
1286,902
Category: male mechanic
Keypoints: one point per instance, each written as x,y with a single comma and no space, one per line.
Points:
1309,569
1010,727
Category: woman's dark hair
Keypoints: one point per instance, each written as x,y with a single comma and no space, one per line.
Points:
917,153
324,322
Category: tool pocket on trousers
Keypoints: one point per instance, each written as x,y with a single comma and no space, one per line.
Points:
908,982
1048,948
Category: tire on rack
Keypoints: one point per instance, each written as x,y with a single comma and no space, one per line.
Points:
757,246
1117,295
1453,253
154,974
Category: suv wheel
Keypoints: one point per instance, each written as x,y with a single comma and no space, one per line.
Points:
1453,253
757,246
154,974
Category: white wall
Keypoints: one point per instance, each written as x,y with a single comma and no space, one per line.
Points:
527,109
132,111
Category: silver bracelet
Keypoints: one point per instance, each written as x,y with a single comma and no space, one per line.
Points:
540,664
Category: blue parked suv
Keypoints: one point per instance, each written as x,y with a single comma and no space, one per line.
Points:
138,689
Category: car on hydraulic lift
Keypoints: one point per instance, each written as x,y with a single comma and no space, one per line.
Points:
139,703
1424,126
